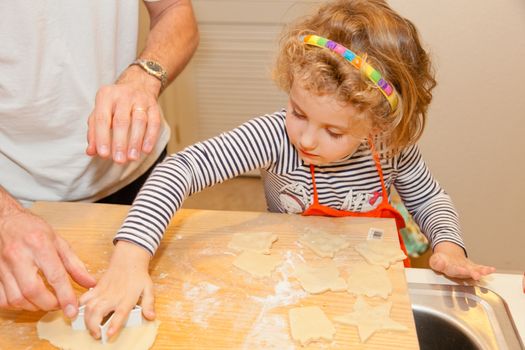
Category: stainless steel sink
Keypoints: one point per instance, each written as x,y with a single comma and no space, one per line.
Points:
462,317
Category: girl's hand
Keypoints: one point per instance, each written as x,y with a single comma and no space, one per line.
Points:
450,259
119,289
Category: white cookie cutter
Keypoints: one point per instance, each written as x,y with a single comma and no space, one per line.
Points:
134,320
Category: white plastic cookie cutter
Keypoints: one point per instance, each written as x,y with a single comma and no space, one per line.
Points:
134,320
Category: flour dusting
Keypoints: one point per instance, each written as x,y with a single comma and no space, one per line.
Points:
269,332
285,292
204,305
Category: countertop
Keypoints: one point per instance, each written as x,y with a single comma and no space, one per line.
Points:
202,300
507,285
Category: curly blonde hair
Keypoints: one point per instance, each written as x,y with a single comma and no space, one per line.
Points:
387,41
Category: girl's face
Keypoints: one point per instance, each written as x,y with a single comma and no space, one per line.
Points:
322,129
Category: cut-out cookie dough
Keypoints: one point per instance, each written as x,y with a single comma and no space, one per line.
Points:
319,279
369,280
324,244
309,324
370,319
55,328
257,264
378,252
259,242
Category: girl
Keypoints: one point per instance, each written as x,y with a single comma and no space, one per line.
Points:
359,86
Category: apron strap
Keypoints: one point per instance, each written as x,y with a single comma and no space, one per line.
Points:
312,171
375,156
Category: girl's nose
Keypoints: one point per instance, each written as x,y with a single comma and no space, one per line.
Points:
308,139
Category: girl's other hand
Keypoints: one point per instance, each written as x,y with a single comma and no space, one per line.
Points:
119,289
449,259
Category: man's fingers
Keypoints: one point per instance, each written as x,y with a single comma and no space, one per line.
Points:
152,128
56,275
33,289
74,266
102,122
3,298
91,148
13,295
120,125
139,119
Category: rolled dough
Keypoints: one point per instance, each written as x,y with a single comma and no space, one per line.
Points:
323,244
310,323
378,252
55,328
259,242
256,264
369,280
319,279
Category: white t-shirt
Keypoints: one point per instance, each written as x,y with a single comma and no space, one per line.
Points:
54,56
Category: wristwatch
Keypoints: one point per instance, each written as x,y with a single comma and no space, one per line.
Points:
153,68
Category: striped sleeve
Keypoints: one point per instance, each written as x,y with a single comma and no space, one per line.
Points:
430,206
253,145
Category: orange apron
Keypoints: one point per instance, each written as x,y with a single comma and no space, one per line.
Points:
383,210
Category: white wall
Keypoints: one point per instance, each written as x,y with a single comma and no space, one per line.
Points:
475,139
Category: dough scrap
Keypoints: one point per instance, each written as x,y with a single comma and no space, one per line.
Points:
319,279
370,319
55,328
378,252
369,280
309,324
324,244
259,242
257,264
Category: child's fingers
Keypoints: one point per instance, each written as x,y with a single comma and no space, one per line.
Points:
86,297
486,270
93,316
148,302
119,318
459,271
474,273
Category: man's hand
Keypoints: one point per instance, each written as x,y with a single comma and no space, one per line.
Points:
125,121
126,118
29,245
450,259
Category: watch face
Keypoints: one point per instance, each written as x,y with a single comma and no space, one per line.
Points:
154,66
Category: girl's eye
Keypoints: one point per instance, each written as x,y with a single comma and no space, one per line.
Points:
334,135
297,115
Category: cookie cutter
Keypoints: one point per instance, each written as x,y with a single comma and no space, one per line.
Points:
134,320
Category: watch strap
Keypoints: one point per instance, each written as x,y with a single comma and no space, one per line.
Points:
153,68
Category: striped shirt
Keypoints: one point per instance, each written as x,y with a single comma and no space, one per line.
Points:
262,143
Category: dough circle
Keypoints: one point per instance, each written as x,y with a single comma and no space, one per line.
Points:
55,328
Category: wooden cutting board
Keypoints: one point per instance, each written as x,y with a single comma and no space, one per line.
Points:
202,300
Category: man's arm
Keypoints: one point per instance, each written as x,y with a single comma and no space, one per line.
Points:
126,119
29,245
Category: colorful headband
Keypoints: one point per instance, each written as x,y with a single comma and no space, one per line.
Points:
371,73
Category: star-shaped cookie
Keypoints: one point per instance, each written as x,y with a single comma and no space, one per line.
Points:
370,319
